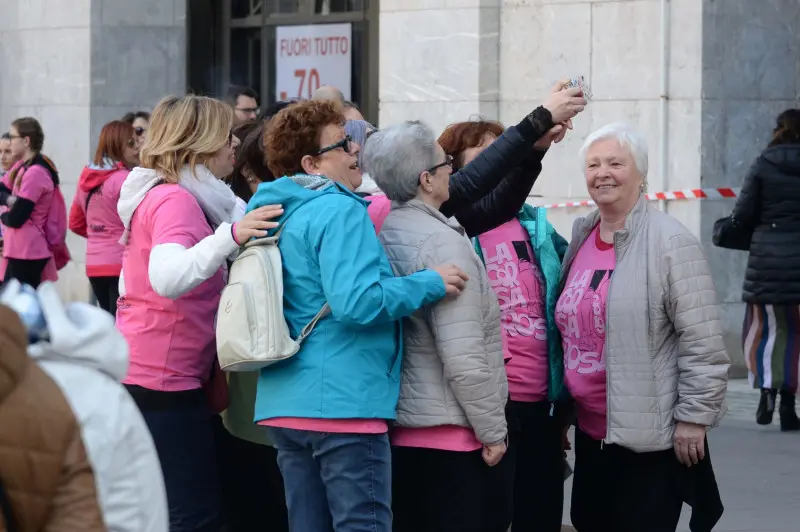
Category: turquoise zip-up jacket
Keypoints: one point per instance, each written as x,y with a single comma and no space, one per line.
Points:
549,248
349,366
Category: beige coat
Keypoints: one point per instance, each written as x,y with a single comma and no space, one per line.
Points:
665,357
453,369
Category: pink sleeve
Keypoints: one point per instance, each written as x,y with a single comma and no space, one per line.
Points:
35,182
378,210
176,218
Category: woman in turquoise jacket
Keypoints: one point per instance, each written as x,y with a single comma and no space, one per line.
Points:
523,257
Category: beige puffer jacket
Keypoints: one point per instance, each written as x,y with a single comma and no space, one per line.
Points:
453,368
665,357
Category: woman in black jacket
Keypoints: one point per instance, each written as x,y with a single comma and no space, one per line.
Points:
767,217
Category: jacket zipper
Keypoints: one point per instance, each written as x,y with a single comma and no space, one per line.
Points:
605,343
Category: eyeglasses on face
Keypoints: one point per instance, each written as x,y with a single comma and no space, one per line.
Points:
344,144
139,131
448,161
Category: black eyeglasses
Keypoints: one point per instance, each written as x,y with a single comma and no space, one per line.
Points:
448,161
139,131
343,144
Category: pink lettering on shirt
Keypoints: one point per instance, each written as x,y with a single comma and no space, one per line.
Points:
517,280
581,319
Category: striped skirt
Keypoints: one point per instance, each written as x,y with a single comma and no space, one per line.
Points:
771,343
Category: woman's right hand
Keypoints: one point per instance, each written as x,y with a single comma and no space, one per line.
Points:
564,104
254,224
454,278
492,454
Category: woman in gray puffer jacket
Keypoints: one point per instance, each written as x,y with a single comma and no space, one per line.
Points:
644,358
451,431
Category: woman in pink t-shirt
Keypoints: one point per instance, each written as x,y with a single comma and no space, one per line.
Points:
523,261
644,357
181,225
94,209
27,191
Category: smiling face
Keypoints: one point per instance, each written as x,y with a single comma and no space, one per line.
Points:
612,178
339,160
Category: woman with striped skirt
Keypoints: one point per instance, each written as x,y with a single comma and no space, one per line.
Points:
766,222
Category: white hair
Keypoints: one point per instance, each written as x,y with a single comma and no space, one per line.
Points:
396,156
627,138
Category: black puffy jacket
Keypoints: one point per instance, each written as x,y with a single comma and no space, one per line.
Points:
769,209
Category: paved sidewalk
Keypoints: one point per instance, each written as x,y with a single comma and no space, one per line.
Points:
757,468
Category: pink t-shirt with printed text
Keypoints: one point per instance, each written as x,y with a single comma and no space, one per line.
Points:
29,241
172,341
581,319
517,280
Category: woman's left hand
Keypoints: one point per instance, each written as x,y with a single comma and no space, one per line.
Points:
689,443
555,135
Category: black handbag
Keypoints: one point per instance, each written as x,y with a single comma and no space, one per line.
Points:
730,235
5,507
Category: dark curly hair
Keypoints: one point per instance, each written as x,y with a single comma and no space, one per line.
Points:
295,132
464,135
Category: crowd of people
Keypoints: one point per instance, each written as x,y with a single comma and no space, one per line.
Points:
465,335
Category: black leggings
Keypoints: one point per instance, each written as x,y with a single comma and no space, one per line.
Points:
26,271
106,290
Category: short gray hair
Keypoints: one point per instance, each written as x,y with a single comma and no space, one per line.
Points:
396,156
627,138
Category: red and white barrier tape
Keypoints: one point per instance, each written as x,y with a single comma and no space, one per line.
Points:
686,194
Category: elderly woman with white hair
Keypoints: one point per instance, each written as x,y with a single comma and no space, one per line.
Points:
644,357
450,433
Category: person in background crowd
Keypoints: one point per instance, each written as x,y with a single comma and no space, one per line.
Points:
351,111
6,155
766,219
140,120
182,224
27,190
79,348
450,434
94,213
329,93
326,407
244,102
644,356
523,259
359,131
252,485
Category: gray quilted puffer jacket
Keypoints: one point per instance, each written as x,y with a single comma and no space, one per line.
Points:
665,357
453,368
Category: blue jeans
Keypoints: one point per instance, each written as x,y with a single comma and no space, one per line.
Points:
335,482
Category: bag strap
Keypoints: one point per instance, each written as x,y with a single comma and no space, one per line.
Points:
8,513
324,311
89,197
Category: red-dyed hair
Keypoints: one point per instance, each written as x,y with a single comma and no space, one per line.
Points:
464,135
114,137
295,132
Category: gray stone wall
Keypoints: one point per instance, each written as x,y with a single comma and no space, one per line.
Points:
75,65
751,72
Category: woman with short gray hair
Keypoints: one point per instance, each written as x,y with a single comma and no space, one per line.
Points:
450,433
644,358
